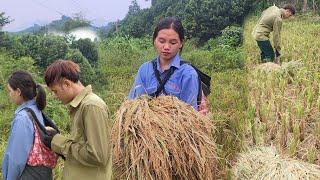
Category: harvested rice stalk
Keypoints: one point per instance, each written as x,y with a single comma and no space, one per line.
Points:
265,163
162,138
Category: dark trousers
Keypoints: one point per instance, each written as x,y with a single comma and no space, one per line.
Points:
267,53
36,173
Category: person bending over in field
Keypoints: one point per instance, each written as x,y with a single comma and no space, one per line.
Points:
271,21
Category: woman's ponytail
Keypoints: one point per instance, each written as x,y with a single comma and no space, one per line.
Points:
29,89
41,98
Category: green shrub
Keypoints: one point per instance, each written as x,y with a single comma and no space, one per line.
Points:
88,50
231,36
216,60
87,74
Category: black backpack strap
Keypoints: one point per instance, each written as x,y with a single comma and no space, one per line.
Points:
156,72
161,82
204,81
199,81
34,118
49,122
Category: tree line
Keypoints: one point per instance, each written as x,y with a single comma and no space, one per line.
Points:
203,19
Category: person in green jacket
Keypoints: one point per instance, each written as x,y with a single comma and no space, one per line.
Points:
88,149
271,21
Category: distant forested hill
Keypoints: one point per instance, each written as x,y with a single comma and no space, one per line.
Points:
65,24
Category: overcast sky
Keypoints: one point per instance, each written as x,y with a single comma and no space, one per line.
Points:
28,12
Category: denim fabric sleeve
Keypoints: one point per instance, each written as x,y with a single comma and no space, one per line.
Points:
138,87
189,89
18,148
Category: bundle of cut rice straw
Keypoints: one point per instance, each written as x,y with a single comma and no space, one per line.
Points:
268,67
264,163
162,138
291,67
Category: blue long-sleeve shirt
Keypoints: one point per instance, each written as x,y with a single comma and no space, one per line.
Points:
20,141
183,83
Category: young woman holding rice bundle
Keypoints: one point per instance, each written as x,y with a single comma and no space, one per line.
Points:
167,74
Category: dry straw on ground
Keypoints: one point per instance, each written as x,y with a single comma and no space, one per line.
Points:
286,110
162,138
268,67
285,66
264,163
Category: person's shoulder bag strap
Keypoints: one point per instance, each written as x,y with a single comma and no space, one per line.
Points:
161,82
34,118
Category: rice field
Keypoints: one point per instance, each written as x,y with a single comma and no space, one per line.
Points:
284,101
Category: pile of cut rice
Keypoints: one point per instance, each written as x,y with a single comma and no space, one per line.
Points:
264,163
162,138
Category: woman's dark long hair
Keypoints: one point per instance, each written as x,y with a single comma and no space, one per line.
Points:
29,89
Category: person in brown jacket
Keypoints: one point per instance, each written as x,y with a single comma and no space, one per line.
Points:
88,149
271,21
